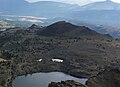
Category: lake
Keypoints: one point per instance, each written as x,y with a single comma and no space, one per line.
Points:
43,79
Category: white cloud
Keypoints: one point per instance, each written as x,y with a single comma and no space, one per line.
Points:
8,19
80,2
32,19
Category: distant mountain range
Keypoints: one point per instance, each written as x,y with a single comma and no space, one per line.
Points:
98,13
42,8
104,12
103,5
12,6
52,9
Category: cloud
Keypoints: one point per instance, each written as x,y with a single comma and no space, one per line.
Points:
80,2
8,19
32,19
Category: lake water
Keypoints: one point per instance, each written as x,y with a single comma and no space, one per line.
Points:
43,79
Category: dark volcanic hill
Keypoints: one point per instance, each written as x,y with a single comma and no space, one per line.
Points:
64,28
58,28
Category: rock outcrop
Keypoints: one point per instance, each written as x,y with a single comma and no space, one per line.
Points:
68,83
34,26
107,78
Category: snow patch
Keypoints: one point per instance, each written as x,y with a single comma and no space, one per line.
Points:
40,60
57,60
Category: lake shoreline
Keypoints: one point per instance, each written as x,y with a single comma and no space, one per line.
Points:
42,67
53,76
13,77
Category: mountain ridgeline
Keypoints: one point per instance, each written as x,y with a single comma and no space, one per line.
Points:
96,13
43,8
99,13
103,5
63,28
102,16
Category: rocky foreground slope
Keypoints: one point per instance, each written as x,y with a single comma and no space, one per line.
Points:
84,52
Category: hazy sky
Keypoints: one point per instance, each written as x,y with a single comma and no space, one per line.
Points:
80,2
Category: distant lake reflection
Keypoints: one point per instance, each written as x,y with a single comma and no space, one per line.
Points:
43,79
